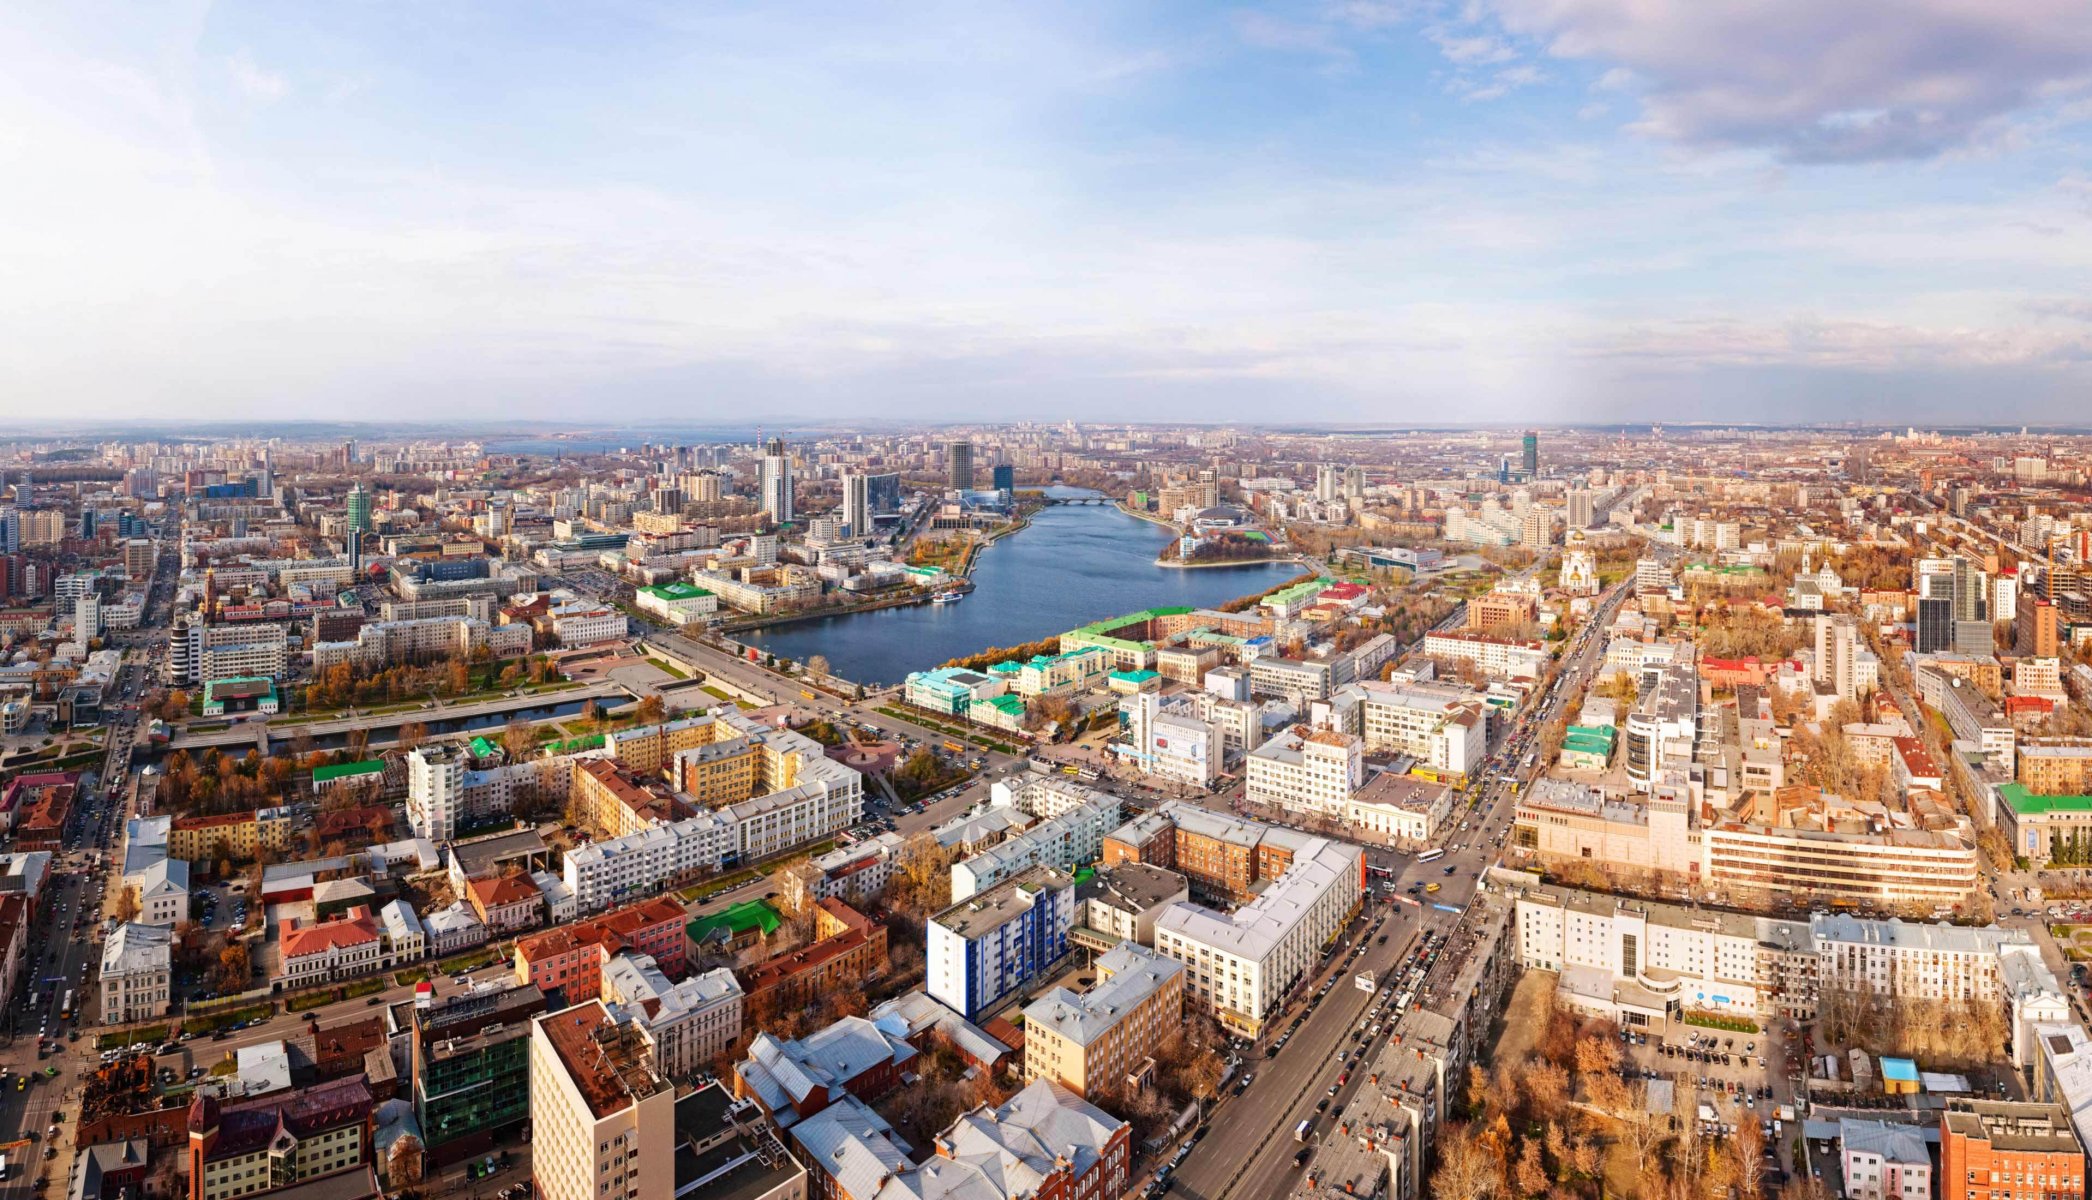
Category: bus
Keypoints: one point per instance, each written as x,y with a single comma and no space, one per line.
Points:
1300,1131
66,1013
1430,856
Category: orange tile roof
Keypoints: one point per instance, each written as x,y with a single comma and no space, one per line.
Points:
502,891
354,929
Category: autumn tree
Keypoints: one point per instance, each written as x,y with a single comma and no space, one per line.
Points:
652,710
518,738
410,735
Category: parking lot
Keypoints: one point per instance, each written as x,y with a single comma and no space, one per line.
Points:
1722,1080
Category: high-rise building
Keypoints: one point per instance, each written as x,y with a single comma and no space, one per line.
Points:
1354,484
1935,624
1005,477
602,1119
435,790
358,505
1580,508
1837,654
959,455
2034,628
1968,585
885,493
1328,482
774,482
1531,462
857,504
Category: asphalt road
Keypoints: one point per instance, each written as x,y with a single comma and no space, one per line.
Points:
1248,1152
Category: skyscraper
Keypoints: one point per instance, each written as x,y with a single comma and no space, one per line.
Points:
1354,484
1580,508
1005,477
774,482
960,457
1328,483
1532,453
857,504
359,509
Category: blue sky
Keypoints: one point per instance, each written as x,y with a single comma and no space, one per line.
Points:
1398,210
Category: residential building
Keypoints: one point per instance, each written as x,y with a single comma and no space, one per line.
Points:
1242,965
848,949
435,790
567,961
795,1079
602,1119
688,1024
505,903
1884,1160
1120,904
985,947
1105,1037
1491,655
1068,837
856,874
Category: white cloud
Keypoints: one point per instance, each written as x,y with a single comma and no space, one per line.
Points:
252,80
1847,81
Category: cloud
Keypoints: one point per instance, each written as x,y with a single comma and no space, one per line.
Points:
252,80
1847,81
1498,85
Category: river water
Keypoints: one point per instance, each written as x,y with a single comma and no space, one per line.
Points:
1073,565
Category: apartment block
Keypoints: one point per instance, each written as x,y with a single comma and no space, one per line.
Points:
1104,1036
602,1119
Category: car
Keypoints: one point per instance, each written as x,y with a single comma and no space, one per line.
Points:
1322,1105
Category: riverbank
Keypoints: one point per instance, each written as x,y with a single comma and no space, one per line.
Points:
1279,560
1149,517
1019,523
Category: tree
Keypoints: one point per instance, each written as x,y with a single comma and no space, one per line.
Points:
127,904
412,734
817,666
1529,1176
518,738
235,971
1466,1170
652,710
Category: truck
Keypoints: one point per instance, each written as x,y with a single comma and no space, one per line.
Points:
1364,981
1303,1131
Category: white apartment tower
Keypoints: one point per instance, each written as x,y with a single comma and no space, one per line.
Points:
435,791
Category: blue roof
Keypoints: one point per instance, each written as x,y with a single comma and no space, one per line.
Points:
1902,1070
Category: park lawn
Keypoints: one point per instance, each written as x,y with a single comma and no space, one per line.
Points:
670,667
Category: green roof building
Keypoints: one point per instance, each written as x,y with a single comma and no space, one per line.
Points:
738,925
2046,830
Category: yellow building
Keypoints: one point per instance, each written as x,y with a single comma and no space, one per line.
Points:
1099,1038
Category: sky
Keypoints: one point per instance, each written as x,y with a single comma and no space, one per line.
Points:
1400,211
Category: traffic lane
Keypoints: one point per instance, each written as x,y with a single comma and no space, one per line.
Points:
1271,1171
1286,1086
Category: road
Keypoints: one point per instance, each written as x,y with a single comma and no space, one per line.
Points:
1248,1152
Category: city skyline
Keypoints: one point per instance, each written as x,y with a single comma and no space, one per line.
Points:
1541,211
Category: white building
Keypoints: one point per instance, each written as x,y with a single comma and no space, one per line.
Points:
435,790
137,973
1307,771
582,622
1242,964
605,873
1400,808
1884,1160
1493,656
689,1023
405,940
1444,726
602,1118
1068,836
1169,740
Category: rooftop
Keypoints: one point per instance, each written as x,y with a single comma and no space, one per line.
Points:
607,1062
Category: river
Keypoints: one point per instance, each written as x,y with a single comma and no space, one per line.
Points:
1073,565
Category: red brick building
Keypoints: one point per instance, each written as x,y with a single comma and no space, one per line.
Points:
2006,1150
849,948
